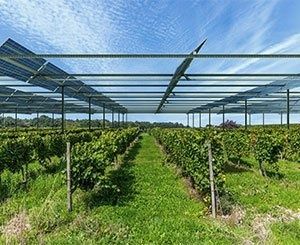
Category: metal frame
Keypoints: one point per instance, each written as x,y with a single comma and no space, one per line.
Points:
203,93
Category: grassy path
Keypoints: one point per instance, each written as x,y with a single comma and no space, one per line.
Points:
160,211
157,209
153,208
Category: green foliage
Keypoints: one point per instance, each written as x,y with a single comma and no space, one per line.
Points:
15,155
189,150
91,161
17,149
236,145
267,148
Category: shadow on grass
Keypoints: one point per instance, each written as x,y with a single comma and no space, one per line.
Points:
274,174
231,167
4,192
121,188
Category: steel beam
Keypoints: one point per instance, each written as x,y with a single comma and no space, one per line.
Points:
181,69
151,56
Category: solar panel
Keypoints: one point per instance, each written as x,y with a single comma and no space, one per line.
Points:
12,47
281,85
21,98
25,69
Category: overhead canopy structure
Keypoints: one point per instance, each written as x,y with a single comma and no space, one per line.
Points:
39,72
29,83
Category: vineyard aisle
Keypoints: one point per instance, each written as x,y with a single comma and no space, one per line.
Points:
153,207
161,210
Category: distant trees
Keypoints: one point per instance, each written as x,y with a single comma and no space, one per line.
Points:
229,124
46,121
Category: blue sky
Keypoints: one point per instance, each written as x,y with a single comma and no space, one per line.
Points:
166,26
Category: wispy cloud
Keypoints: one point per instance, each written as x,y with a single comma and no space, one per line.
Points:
125,26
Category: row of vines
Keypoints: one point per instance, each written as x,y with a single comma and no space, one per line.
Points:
17,152
188,149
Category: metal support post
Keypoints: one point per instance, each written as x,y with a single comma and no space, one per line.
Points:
90,113
37,120
200,124
193,117
112,118
246,112
52,120
63,109
223,119
249,119
103,117
288,108
16,119
188,119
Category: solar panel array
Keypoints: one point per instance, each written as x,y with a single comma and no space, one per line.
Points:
138,93
39,72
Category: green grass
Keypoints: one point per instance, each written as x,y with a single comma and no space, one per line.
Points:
260,196
153,206
284,233
251,190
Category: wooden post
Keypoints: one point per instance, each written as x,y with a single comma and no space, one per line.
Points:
211,180
69,177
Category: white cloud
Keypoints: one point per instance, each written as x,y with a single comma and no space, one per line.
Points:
147,26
